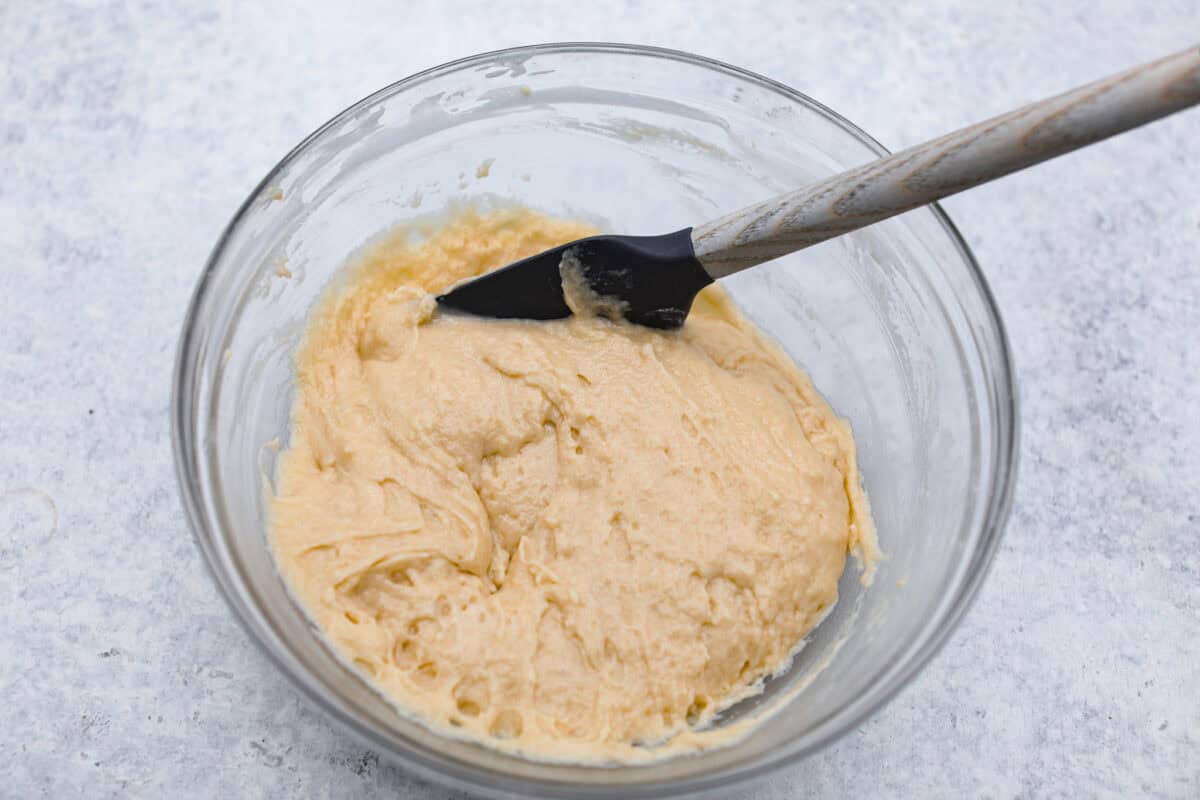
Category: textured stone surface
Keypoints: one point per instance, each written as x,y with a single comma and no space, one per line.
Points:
129,132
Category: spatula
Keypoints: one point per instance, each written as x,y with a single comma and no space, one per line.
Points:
653,279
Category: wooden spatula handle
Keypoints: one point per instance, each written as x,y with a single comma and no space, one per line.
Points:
957,161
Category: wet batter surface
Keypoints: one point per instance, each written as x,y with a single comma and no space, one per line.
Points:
576,539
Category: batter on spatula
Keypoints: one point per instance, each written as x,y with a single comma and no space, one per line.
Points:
576,539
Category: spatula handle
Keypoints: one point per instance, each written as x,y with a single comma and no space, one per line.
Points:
957,161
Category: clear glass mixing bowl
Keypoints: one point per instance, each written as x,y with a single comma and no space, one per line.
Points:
894,323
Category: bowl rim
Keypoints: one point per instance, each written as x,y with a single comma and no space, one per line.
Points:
469,776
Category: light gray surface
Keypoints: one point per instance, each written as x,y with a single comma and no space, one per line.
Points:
130,132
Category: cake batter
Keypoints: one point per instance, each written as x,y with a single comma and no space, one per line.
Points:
576,539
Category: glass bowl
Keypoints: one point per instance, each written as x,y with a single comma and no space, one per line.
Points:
894,323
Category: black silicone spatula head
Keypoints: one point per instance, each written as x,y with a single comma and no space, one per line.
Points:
652,279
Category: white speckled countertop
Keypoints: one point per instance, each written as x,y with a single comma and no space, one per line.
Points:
130,131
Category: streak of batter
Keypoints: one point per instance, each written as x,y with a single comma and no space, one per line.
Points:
573,539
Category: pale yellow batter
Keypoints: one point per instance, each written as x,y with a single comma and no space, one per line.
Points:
575,538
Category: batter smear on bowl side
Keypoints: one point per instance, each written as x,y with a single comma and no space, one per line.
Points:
572,539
